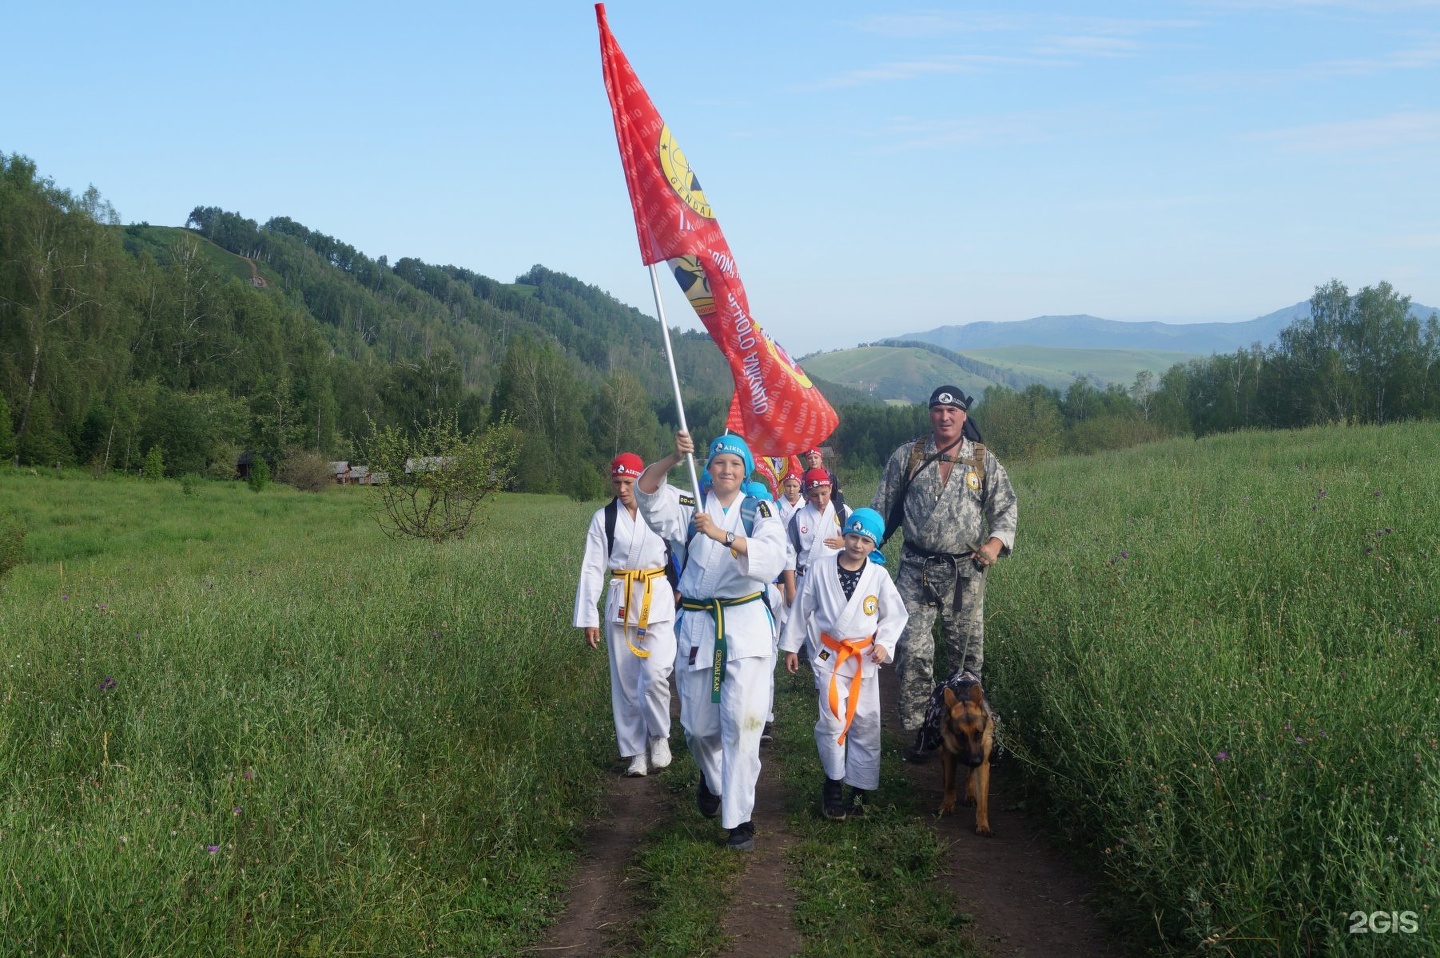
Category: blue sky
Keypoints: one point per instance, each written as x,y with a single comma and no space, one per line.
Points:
877,168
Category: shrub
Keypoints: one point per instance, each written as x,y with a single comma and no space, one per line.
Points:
306,470
435,478
154,468
259,474
190,484
12,543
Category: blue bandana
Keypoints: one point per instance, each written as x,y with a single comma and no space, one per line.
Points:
756,490
735,446
867,523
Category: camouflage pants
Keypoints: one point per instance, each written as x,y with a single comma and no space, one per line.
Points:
960,606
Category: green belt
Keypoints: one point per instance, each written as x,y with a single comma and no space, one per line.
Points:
716,607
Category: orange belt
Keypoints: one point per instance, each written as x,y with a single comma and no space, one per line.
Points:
630,577
844,648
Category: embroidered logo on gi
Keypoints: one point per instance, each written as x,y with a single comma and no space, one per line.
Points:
825,656
870,604
804,530
972,479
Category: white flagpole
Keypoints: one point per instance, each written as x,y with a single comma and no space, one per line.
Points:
674,379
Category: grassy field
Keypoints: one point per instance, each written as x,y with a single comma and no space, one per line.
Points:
1221,659
249,724
234,723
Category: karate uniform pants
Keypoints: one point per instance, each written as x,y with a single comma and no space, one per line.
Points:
640,688
857,762
724,736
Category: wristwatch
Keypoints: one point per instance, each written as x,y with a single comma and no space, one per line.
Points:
729,538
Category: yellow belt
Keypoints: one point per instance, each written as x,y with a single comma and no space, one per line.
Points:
844,648
716,607
631,577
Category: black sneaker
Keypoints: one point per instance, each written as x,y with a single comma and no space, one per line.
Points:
742,838
705,800
766,736
855,802
831,799
918,754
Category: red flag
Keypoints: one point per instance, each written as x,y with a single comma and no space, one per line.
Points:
766,472
776,407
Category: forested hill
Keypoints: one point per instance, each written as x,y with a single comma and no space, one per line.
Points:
230,335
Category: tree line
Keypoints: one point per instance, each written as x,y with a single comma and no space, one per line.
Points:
233,336
1356,359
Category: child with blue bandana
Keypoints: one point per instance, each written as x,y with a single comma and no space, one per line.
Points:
849,615
725,652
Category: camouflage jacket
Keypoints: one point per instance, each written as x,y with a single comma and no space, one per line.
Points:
976,503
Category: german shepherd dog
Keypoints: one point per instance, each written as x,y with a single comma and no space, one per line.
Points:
967,735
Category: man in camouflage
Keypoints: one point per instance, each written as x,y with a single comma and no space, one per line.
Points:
957,507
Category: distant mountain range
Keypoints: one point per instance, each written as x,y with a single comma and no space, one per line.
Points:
1092,332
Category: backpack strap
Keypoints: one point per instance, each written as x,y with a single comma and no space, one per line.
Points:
612,510
750,507
977,462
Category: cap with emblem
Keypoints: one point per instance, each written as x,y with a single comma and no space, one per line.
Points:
815,478
950,396
866,522
626,464
732,445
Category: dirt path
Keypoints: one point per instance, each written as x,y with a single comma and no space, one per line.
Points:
1026,898
599,898
761,923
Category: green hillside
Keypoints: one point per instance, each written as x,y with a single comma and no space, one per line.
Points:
901,373
1058,368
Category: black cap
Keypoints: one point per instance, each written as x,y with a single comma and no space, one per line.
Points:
950,396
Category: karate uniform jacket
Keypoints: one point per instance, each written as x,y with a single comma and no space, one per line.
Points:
712,571
875,608
812,528
636,547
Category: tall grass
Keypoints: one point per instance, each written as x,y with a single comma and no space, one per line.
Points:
1222,658
237,724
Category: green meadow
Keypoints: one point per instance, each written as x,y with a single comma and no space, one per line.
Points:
1221,662
234,723
239,723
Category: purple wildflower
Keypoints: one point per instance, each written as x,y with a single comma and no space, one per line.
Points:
1124,555
65,596
1222,756
237,810
107,684
212,849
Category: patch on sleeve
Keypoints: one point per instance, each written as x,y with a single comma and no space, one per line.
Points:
686,500
763,509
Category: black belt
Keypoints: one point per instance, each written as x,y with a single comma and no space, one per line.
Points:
927,554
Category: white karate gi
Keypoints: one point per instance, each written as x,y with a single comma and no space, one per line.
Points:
639,687
811,527
723,737
874,609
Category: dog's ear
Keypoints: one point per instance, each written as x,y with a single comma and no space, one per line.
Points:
977,694
950,699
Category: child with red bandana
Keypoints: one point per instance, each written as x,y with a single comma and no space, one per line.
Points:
639,619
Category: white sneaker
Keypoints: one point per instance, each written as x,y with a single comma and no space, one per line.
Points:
638,768
659,752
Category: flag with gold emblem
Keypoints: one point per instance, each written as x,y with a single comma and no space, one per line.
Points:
776,407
